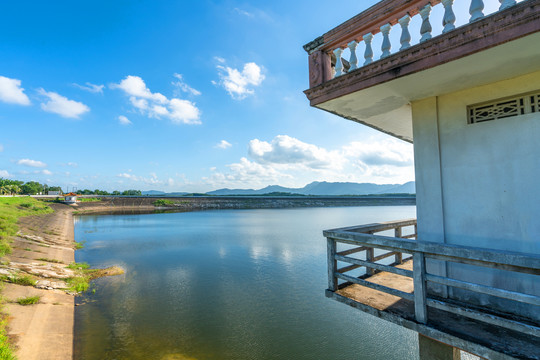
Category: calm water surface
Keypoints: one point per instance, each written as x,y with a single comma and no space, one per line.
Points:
227,284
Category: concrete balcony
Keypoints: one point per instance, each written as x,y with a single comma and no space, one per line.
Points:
389,277
352,78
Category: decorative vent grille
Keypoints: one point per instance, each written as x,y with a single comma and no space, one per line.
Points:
503,108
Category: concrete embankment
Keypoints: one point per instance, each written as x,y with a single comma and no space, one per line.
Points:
42,249
147,203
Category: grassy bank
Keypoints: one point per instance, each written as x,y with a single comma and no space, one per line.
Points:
11,209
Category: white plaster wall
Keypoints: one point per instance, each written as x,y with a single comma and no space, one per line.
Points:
479,184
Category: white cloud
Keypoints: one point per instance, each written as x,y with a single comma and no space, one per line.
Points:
380,153
240,84
124,120
157,105
44,172
244,13
288,161
152,180
128,176
93,88
62,106
183,111
5,174
245,174
12,92
180,84
223,144
32,163
288,150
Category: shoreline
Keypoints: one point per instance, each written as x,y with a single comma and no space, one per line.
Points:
46,330
43,330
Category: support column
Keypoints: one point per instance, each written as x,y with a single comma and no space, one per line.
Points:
430,349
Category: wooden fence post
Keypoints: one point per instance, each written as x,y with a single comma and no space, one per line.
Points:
419,278
332,264
398,256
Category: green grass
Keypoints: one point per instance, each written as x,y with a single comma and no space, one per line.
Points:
11,209
78,283
81,199
51,260
27,249
79,245
30,300
78,266
163,202
6,351
25,280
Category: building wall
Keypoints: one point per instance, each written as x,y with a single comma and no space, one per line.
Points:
477,184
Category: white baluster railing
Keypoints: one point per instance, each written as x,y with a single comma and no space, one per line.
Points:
405,38
368,54
476,12
449,17
339,63
353,61
386,45
425,29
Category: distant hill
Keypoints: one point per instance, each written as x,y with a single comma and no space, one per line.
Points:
161,193
327,188
153,193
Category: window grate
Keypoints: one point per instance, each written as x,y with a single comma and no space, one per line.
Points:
504,108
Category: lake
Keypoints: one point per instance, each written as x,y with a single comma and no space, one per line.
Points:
226,284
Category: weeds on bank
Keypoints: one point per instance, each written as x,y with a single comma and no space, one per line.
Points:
11,209
78,266
78,283
79,245
25,280
81,199
163,202
6,350
83,275
51,260
30,300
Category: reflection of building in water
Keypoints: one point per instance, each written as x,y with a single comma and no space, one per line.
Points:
467,272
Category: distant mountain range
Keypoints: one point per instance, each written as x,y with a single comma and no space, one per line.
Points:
315,188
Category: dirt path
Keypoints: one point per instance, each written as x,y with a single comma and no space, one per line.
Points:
45,330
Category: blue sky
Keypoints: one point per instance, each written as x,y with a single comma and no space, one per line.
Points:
176,96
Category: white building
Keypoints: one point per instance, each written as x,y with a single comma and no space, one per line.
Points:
70,198
469,100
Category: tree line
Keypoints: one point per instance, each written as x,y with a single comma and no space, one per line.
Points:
17,187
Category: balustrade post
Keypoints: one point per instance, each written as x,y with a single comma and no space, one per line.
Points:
505,4
332,264
419,279
370,254
425,29
339,63
398,258
386,45
405,39
449,17
368,54
353,59
320,68
476,10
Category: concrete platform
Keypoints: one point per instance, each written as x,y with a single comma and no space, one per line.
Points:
484,340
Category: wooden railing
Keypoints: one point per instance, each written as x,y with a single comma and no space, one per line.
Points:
327,53
363,239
